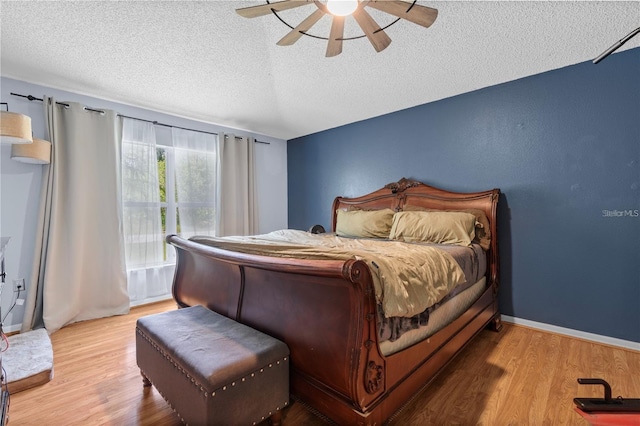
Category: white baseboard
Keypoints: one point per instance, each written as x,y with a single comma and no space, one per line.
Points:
11,328
150,300
598,338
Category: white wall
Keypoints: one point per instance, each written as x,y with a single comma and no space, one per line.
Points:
20,183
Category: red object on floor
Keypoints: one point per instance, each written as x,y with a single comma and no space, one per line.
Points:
610,419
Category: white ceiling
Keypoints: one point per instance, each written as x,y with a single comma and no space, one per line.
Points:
203,61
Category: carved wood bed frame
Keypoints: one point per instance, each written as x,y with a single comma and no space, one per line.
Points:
325,311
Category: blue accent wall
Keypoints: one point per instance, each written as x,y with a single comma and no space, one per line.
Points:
563,147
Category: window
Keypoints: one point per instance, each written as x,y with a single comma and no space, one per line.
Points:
167,193
169,187
140,195
196,174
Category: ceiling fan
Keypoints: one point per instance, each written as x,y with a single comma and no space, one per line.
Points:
339,9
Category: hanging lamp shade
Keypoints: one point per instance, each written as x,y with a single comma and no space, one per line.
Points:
15,128
38,152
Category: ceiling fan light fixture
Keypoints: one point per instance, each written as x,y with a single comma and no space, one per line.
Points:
338,10
342,7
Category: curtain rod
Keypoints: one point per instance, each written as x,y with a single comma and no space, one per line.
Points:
33,98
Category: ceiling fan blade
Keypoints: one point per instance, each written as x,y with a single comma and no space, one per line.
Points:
295,34
378,38
334,47
420,15
265,9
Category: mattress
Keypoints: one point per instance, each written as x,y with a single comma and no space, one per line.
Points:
439,318
473,262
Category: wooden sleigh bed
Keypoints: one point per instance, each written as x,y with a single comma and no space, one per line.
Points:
326,311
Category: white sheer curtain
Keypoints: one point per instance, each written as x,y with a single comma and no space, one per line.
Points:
148,277
196,171
79,269
237,186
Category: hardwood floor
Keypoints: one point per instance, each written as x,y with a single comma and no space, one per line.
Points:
518,376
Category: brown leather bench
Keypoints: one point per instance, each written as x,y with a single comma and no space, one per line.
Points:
213,370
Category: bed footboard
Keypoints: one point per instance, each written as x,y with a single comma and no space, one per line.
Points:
324,310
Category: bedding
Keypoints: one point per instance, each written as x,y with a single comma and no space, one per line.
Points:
440,316
472,260
399,270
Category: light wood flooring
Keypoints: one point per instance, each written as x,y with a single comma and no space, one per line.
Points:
518,376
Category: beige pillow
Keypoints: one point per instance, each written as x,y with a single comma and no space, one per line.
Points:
437,227
483,228
364,223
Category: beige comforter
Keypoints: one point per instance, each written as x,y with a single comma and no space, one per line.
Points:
408,278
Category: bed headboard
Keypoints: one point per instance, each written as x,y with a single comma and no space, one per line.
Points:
396,195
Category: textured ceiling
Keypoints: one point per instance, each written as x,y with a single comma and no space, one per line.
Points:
203,61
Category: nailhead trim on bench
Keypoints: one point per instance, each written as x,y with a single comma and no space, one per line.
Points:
195,383
164,397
